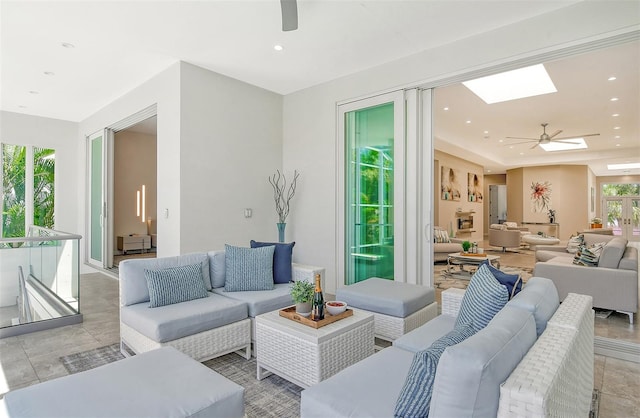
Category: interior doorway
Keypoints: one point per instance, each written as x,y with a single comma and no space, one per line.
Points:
134,191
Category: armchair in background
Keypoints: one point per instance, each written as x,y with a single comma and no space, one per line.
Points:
504,238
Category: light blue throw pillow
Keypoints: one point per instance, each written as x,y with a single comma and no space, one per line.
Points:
484,298
175,285
248,268
415,397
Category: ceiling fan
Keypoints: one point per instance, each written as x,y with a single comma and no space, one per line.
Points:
545,138
289,15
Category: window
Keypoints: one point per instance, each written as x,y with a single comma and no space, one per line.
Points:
28,183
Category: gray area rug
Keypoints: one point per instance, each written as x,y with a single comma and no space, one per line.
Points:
272,397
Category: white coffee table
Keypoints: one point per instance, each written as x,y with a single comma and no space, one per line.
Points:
304,355
461,260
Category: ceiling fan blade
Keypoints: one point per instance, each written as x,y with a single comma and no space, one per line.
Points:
519,137
576,136
289,15
558,132
566,142
534,146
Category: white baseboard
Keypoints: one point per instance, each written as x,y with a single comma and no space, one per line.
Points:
623,350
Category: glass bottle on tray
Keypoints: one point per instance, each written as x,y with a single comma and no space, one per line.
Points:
317,305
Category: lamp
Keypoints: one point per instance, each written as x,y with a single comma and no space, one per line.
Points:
141,202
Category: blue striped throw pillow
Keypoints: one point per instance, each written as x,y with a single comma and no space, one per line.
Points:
415,397
484,298
248,268
175,285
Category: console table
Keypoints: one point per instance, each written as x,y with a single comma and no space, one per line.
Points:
555,226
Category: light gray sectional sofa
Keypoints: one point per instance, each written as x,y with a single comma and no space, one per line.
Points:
202,328
613,284
505,369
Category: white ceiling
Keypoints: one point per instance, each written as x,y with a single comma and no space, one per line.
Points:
121,44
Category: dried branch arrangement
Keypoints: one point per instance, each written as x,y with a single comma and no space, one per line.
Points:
281,194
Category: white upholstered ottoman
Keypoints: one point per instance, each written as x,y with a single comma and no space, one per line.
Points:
158,383
534,240
397,307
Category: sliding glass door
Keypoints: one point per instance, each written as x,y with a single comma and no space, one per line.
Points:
97,200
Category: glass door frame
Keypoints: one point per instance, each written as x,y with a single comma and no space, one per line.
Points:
626,215
413,193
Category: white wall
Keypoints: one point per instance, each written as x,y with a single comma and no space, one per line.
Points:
163,90
309,142
231,141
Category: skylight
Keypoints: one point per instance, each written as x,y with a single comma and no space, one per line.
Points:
625,166
511,85
565,144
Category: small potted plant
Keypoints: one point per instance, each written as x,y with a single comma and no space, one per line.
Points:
465,246
302,295
596,223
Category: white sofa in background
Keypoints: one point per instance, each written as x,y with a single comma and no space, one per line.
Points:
202,328
520,364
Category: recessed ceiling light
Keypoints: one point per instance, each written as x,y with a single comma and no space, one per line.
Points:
278,47
510,146
615,115
488,171
511,85
616,127
617,145
625,166
486,132
617,137
33,92
468,121
67,45
611,78
500,140
522,153
446,108
614,99
565,144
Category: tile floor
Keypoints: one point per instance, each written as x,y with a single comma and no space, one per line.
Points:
32,358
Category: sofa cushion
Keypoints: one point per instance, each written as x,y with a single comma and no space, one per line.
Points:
387,296
133,285
575,243
612,253
371,387
175,285
170,322
282,259
469,374
259,302
248,268
423,336
484,298
217,269
513,282
629,260
589,256
415,396
540,297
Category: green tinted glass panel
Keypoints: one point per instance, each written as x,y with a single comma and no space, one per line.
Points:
369,189
96,199
44,164
13,190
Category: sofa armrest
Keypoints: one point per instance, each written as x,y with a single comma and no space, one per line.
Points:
615,289
307,273
451,300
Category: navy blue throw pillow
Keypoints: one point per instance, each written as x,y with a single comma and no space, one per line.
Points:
513,282
282,258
